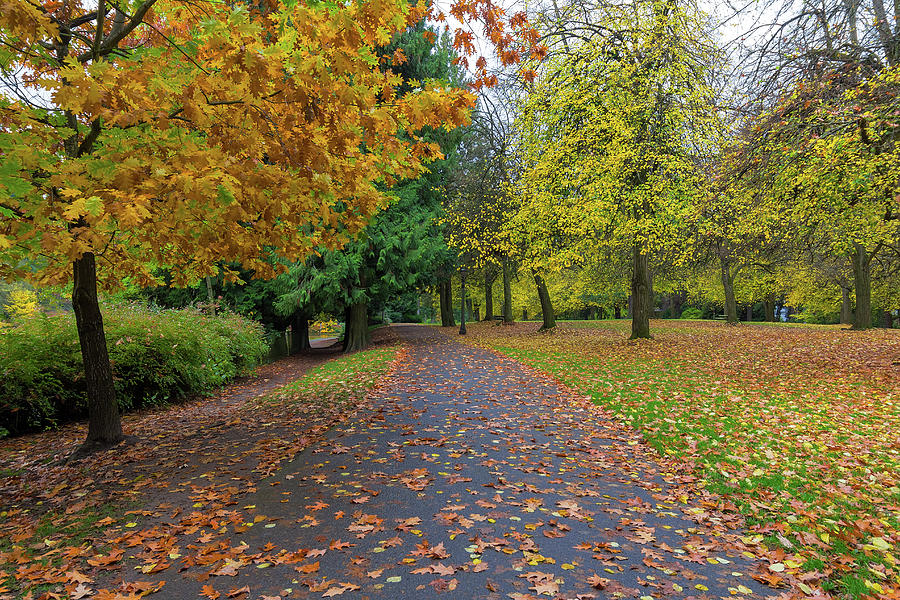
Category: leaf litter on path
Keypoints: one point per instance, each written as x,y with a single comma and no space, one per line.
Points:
482,479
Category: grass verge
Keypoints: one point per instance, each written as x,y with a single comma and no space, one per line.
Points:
797,428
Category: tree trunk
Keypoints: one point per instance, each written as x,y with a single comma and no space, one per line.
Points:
862,279
617,312
749,312
770,308
641,298
547,313
300,333
462,304
488,296
356,327
507,295
728,284
105,425
446,295
210,296
846,307
887,320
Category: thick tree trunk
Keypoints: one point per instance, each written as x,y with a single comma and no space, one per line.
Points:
641,296
488,296
105,425
300,333
728,283
749,312
547,313
507,295
770,308
445,292
356,327
846,307
862,279
462,304
678,303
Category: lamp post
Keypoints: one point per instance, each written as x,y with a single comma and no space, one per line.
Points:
462,301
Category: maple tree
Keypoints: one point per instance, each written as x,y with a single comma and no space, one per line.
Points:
182,134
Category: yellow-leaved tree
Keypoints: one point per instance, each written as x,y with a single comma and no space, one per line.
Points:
611,138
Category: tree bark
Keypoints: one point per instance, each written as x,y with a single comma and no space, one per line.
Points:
210,296
488,296
846,307
356,327
728,284
547,313
462,304
887,320
770,308
104,425
617,311
862,279
300,333
507,295
445,292
749,312
641,297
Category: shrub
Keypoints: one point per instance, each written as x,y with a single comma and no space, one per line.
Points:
158,356
692,313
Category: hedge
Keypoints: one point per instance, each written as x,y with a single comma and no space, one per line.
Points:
158,357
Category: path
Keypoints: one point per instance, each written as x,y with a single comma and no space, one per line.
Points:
470,478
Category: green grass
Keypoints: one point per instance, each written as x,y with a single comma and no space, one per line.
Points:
54,532
340,379
787,423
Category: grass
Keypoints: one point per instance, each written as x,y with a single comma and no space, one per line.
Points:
342,379
797,427
49,546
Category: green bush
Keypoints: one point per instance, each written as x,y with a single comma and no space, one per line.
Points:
692,313
158,356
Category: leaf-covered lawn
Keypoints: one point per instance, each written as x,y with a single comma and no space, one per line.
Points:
798,428
67,530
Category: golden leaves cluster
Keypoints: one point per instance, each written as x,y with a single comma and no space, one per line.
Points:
221,134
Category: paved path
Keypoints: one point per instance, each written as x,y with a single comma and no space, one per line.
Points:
471,478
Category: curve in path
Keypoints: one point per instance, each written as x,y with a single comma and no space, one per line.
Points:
473,477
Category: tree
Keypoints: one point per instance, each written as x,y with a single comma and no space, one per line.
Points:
611,136
829,150
742,226
824,82
176,134
479,203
